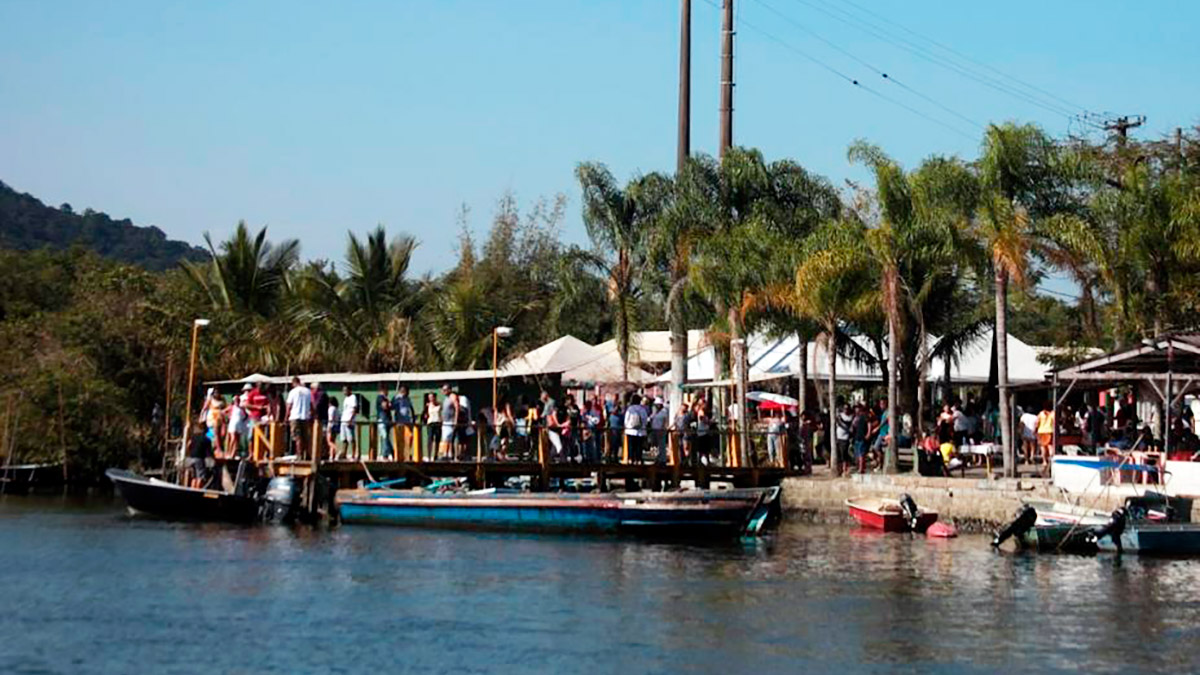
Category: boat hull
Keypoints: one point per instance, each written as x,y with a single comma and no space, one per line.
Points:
609,514
175,502
867,515
21,478
1056,537
1156,538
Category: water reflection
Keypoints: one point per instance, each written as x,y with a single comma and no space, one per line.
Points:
127,595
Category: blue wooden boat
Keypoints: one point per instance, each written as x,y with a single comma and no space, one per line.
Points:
692,513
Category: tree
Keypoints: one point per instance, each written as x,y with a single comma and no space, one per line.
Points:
618,222
917,240
248,275
1014,169
835,283
362,319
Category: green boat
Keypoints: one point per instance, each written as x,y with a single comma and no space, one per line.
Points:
1054,536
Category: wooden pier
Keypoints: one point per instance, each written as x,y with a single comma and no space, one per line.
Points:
343,474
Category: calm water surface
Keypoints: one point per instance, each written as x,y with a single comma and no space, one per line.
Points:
85,588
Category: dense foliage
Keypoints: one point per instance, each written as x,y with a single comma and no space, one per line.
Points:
28,224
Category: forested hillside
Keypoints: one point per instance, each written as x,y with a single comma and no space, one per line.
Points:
28,224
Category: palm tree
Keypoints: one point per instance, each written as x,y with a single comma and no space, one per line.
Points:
248,275
673,241
362,319
918,244
1012,166
835,283
618,222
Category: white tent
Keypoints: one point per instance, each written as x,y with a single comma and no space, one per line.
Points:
654,346
605,367
768,356
559,356
576,361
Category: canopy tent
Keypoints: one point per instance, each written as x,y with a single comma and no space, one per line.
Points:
652,348
576,361
551,358
605,367
778,356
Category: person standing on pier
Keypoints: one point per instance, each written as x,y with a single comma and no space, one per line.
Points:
332,425
636,419
550,423
383,421
349,435
615,417
660,419
683,431
299,415
432,418
403,416
449,416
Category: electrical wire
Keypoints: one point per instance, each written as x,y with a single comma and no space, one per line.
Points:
967,57
869,66
851,80
925,54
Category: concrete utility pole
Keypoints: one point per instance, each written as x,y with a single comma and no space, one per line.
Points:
726,77
675,319
685,85
1123,124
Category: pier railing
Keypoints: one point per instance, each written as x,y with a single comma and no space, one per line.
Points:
374,441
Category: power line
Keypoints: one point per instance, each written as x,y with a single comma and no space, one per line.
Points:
966,57
851,80
925,54
869,66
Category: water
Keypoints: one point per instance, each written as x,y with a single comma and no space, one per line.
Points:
87,589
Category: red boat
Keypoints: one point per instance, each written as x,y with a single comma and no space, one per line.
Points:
888,515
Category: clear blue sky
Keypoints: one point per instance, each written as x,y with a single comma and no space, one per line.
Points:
318,118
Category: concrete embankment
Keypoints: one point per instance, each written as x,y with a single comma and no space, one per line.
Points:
972,504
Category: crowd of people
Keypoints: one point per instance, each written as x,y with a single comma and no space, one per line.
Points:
637,428
634,427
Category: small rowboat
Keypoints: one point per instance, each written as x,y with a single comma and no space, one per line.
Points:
888,515
692,513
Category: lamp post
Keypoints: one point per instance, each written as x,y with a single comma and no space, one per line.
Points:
497,333
187,415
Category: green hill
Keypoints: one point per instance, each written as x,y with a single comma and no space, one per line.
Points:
27,224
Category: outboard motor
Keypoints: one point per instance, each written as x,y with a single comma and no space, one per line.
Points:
908,507
1114,528
282,500
1026,519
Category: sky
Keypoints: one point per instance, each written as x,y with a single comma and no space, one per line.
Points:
315,119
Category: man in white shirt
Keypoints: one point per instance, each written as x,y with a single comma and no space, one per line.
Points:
299,415
1029,423
349,434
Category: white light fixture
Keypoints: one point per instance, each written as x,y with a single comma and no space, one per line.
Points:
201,322
503,331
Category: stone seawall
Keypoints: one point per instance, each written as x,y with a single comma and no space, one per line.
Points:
973,505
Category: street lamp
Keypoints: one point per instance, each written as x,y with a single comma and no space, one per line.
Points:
739,392
187,416
497,333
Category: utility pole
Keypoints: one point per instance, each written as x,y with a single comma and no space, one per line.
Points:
726,78
675,319
1122,125
685,85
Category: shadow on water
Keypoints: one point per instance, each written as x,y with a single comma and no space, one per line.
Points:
90,585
